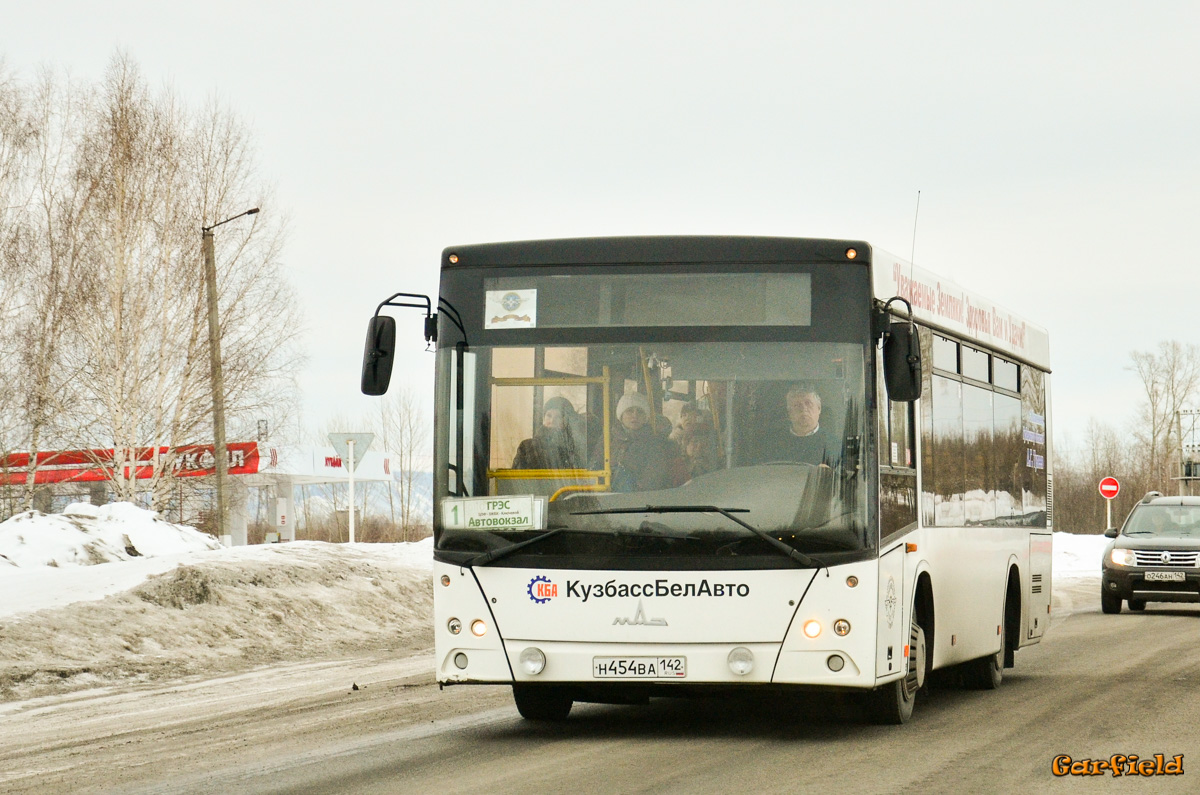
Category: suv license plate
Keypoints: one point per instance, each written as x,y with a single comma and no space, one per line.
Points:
1165,576
639,667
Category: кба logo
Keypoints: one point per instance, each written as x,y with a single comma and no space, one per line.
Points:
541,589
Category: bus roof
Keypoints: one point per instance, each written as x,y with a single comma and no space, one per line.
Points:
653,249
942,303
936,301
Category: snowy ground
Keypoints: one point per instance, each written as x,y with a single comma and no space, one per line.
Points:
99,596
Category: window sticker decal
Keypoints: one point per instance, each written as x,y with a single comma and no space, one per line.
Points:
510,309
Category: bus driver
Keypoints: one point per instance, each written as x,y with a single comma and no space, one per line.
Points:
804,441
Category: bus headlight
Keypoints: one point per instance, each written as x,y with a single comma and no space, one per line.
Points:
812,628
1122,557
532,661
741,661
841,627
454,625
478,628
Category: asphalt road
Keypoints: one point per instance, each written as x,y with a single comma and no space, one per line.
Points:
1096,687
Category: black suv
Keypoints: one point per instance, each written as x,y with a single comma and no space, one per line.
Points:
1155,556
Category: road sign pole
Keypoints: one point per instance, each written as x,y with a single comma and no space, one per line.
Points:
1107,505
344,445
350,444
1109,488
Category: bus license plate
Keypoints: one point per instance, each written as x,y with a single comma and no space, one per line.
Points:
639,667
1164,576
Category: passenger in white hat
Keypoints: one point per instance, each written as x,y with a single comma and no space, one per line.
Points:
641,460
633,410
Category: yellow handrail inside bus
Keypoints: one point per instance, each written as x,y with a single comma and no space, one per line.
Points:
604,475
581,487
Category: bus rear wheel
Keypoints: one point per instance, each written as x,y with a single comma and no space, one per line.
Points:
985,673
536,702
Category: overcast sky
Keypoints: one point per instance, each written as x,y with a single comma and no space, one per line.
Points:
1056,145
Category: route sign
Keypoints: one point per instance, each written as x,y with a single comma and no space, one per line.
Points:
1109,488
491,513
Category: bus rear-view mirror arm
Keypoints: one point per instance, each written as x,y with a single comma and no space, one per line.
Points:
380,348
901,355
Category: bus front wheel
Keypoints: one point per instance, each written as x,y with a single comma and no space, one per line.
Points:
893,703
536,702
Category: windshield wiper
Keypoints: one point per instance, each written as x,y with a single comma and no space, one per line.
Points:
503,552
728,513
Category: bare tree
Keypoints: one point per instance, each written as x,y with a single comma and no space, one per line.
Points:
113,186
47,246
405,431
1169,378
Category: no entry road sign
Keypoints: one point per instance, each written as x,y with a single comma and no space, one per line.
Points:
1109,488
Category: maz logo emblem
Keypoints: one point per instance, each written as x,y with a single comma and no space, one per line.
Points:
639,619
890,601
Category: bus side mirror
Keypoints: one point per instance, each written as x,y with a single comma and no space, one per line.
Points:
378,355
902,362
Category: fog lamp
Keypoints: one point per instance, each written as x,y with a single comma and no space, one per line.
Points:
460,660
835,662
741,661
532,661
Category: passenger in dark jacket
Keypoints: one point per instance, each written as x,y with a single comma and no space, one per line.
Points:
697,440
558,443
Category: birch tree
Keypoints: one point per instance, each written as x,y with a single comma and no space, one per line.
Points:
105,191
1170,378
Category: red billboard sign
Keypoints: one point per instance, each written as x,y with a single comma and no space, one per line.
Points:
87,466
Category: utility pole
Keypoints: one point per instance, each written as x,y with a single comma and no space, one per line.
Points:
217,373
1187,452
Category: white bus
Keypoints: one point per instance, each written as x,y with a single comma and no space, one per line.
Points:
668,465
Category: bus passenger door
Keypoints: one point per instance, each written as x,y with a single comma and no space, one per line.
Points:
892,614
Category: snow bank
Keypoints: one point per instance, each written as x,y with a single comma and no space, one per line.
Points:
1077,556
215,611
49,561
85,535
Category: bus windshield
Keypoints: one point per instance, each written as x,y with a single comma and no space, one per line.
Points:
770,432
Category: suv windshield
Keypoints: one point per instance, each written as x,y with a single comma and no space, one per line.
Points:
1164,520
767,431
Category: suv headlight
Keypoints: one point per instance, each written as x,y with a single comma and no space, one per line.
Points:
1122,557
